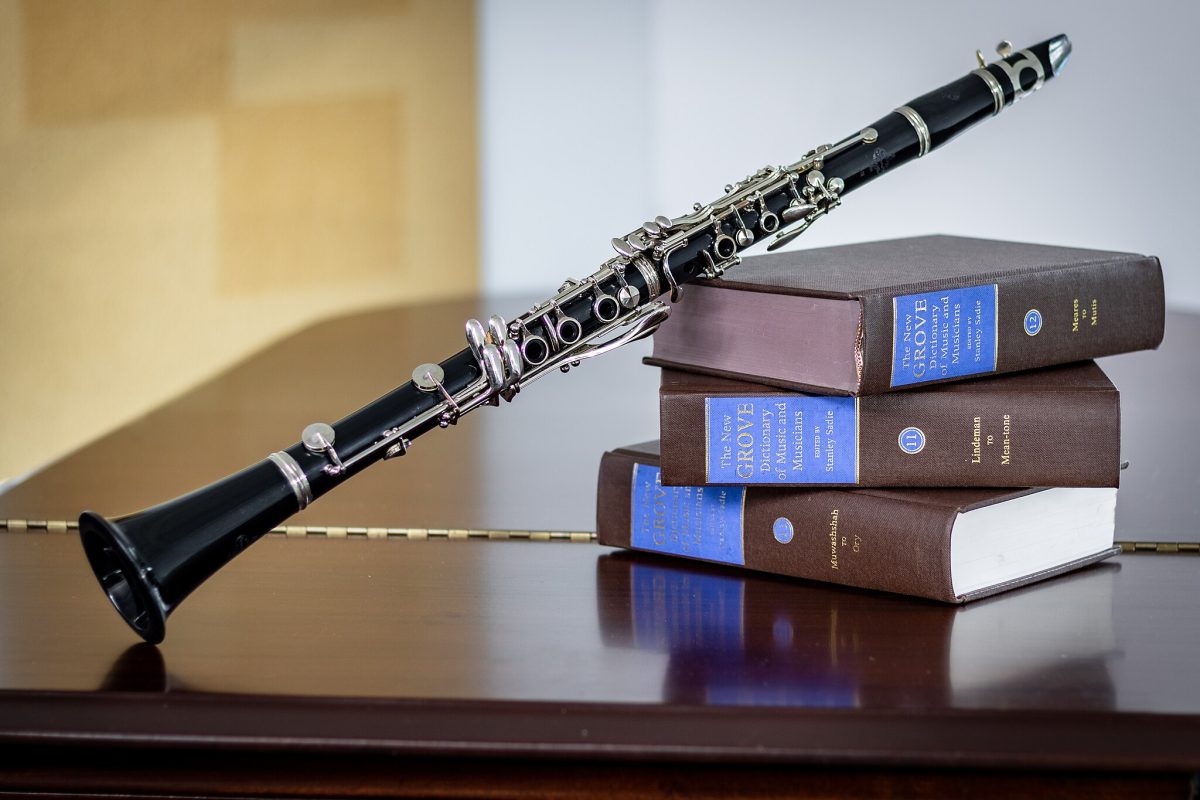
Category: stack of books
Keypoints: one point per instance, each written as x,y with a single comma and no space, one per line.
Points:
916,416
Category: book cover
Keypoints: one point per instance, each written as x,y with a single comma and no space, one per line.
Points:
1058,426
951,545
883,316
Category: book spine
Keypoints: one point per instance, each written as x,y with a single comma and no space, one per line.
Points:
1017,322
862,539
1003,438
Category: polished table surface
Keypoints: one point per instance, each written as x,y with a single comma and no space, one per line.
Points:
530,465
396,619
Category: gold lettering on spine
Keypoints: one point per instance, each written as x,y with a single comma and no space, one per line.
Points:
659,510
920,339
830,442
833,539
781,440
1084,314
798,440
979,440
725,460
745,440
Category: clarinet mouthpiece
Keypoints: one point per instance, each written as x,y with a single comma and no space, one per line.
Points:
1060,51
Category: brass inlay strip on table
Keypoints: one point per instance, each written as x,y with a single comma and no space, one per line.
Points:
346,531
354,531
1159,547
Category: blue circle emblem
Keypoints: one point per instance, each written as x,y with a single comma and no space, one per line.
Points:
783,530
1033,322
912,440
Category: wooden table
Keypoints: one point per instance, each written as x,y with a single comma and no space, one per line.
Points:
444,625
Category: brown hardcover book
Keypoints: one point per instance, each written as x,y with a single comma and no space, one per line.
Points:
1059,426
881,316
951,545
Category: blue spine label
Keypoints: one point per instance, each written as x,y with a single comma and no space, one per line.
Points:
939,335
694,521
784,439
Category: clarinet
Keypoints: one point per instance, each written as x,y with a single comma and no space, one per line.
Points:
149,561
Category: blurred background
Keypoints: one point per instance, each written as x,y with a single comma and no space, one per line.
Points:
184,181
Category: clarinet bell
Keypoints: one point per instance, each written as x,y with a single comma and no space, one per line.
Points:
149,561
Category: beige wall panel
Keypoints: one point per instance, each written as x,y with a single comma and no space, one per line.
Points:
425,54
287,58
440,204
12,72
185,181
90,60
326,8
102,244
309,193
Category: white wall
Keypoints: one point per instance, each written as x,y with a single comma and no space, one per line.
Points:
565,132
598,116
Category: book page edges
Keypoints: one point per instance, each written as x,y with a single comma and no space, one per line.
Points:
1029,534
1041,575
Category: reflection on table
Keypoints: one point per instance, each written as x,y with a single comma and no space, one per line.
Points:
744,639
